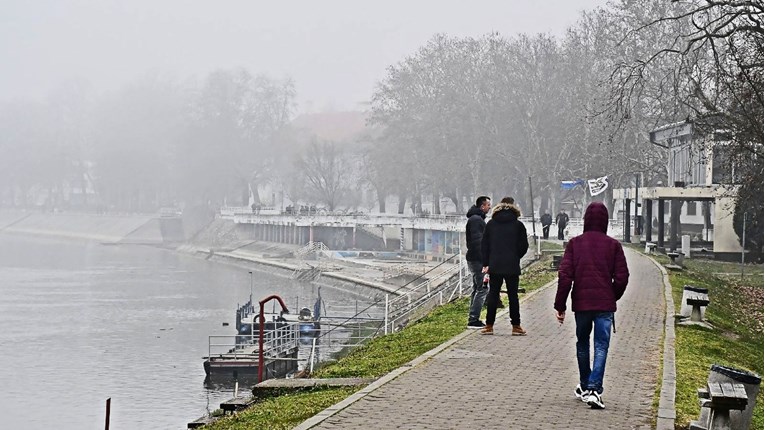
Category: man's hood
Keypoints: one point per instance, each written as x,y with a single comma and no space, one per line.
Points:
596,217
505,212
475,210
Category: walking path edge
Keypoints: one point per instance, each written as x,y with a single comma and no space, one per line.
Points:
665,416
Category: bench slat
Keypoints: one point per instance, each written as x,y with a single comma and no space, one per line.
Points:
727,389
740,392
715,390
724,395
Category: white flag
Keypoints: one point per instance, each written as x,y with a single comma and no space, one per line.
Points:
597,185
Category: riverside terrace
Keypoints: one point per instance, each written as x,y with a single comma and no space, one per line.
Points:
433,234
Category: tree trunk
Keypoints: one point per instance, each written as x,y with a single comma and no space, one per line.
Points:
436,203
417,204
381,201
544,200
255,194
453,196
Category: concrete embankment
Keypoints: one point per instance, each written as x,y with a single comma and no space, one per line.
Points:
93,227
212,239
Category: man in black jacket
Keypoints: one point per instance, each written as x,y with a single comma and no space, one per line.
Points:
504,244
546,220
473,235
562,221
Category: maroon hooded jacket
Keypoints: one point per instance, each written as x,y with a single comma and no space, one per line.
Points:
594,264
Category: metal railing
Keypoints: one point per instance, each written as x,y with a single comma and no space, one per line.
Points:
443,287
311,247
283,338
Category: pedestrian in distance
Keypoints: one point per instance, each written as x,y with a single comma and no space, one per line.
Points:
546,220
504,244
562,221
473,235
594,271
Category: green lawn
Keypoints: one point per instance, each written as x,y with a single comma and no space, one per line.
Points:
736,312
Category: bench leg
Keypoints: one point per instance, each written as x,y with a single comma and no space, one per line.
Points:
696,313
720,420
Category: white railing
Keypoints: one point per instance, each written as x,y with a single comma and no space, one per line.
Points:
311,247
443,285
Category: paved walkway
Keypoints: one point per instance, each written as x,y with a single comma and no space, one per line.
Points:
505,382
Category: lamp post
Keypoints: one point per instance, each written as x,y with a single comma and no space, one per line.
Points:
252,323
250,286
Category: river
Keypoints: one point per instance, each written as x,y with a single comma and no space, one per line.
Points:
81,322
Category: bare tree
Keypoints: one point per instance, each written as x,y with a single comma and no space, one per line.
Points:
326,172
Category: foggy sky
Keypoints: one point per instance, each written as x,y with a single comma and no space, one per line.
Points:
335,51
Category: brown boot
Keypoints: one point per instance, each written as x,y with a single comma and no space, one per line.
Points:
518,331
487,329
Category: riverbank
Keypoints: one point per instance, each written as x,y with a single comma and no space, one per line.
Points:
221,240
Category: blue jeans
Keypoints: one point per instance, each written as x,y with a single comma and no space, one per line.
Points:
592,379
478,296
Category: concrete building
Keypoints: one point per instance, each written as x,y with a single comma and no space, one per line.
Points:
699,198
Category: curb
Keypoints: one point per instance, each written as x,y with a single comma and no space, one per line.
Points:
337,407
665,416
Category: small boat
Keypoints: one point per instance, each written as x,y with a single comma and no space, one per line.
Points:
282,334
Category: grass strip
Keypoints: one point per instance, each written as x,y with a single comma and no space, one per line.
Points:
736,313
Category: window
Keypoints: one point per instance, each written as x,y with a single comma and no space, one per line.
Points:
691,208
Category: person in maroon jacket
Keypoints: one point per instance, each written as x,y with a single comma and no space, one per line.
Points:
594,265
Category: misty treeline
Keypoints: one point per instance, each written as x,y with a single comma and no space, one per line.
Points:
497,115
465,116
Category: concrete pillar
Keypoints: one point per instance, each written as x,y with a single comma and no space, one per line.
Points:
686,245
660,242
648,220
675,206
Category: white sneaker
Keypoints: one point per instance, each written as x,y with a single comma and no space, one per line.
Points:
595,401
581,394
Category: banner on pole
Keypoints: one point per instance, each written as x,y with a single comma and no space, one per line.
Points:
570,185
597,185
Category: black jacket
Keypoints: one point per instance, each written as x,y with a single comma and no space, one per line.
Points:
561,219
474,233
504,241
546,219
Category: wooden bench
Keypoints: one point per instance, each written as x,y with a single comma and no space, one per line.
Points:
676,260
650,248
697,300
556,259
719,399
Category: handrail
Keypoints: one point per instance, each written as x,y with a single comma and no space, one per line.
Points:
262,321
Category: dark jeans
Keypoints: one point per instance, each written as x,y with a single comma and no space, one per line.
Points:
545,232
478,296
561,227
495,284
592,379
